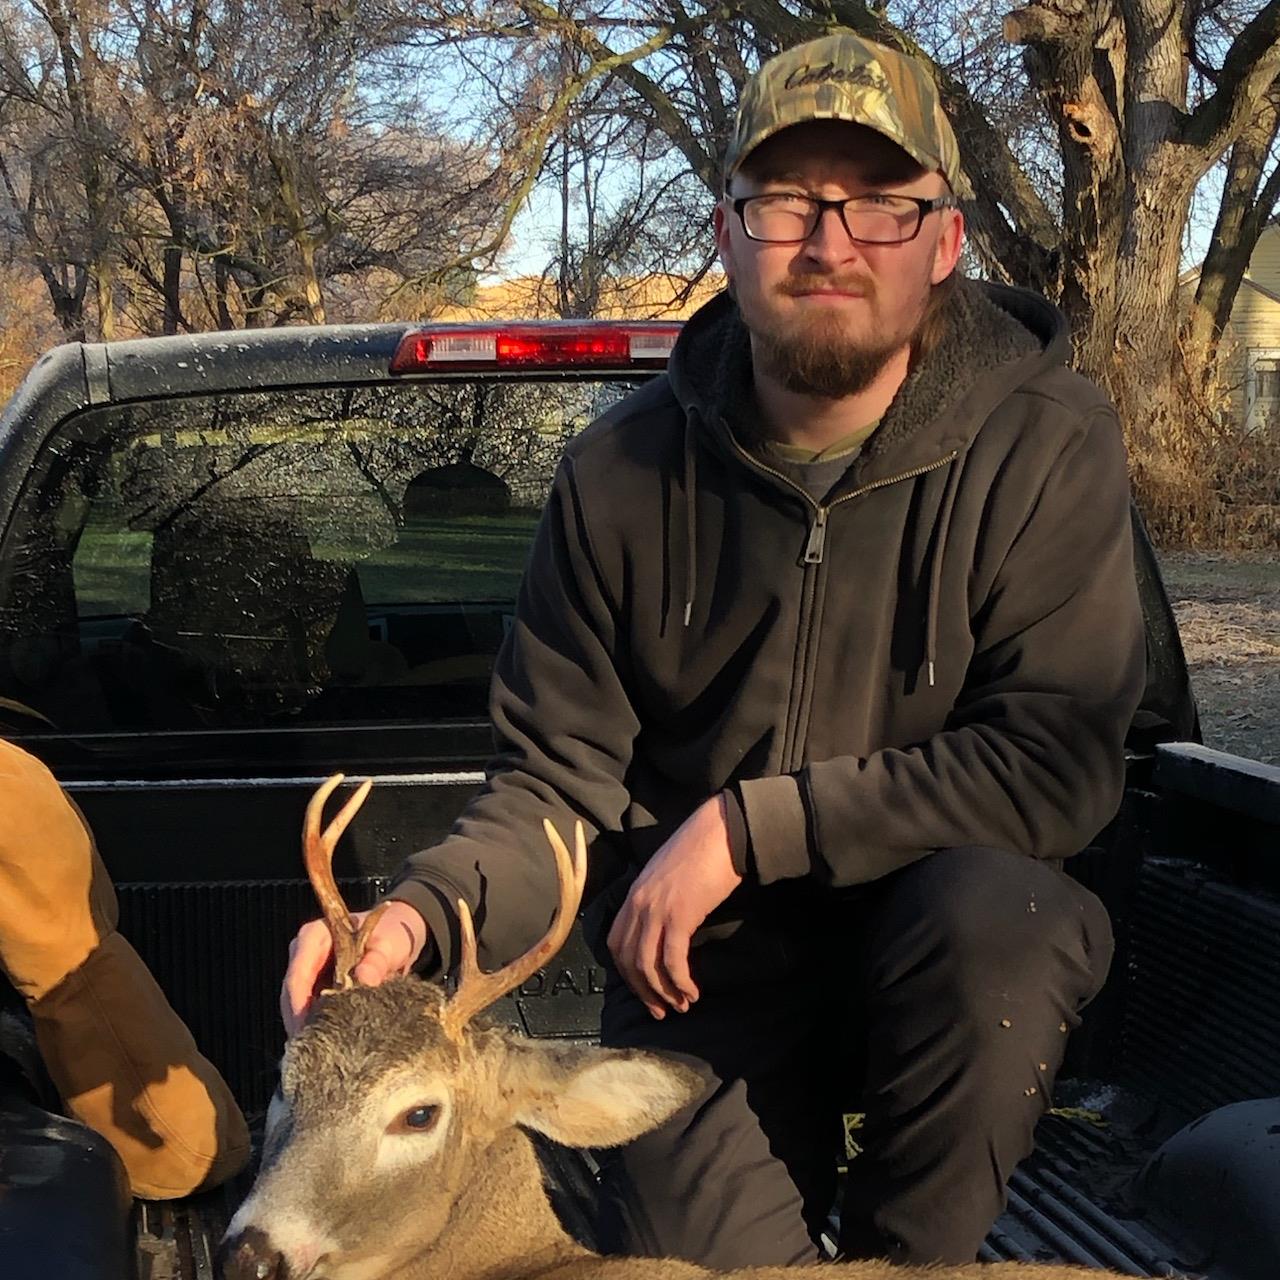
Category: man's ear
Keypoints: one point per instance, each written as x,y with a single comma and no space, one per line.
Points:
582,1096
720,220
950,241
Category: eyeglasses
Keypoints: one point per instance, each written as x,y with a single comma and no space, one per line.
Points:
788,218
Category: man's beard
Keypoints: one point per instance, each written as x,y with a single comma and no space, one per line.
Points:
820,358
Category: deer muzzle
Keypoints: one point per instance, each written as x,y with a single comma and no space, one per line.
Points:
251,1255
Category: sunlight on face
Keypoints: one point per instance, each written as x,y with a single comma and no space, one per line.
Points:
827,315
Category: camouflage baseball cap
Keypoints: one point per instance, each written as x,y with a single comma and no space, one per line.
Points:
843,77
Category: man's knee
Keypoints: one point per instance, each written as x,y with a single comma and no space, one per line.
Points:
988,914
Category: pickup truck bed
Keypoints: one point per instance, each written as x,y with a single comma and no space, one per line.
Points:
1188,1024
190,707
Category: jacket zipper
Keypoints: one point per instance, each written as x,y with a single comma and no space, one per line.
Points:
814,551
816,546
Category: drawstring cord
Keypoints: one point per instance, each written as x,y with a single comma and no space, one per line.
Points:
690,518
935,570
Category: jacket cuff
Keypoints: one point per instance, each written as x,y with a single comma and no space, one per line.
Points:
777,826
433,904
735,817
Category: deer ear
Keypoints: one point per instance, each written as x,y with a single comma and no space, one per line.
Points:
586,1097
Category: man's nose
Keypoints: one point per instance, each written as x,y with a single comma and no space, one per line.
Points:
829,241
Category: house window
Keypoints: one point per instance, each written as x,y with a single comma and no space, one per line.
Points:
1267,379
1262,389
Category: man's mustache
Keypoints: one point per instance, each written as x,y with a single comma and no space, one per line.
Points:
814,282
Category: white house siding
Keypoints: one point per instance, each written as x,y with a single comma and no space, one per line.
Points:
1255,326
1264,266
1255,316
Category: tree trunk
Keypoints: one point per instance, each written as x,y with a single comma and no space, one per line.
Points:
73,32
1112,76
1142,369
298,225
172,289
221,285
311,280
68,304
564,291
175,210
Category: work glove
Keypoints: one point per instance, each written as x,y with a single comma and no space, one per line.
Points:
122,1060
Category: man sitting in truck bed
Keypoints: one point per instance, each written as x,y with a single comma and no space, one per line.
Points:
831,636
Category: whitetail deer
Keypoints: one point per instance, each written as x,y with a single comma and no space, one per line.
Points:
396,1146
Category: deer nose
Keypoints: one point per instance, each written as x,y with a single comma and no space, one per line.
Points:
250,1255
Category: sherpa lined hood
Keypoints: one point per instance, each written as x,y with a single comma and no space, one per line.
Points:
995,339
946,651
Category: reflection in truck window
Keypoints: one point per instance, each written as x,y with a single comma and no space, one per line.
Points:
251,560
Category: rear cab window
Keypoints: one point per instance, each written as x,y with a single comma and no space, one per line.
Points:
259,560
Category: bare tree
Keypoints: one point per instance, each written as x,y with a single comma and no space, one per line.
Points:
630,219
226,162
219,163
1115,78
1136,101
1086,128
278,171
57,125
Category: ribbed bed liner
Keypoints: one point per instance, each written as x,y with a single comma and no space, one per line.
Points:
1056,1213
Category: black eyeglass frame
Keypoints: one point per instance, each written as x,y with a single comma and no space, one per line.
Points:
924,207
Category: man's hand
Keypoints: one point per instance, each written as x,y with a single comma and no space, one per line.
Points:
393,946
681,885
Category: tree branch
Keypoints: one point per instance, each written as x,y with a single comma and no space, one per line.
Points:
1242,217
534,144
668,118
1026,248
1248,71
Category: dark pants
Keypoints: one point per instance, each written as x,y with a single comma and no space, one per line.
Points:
936,1000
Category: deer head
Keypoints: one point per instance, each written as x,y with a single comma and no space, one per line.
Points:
394,1145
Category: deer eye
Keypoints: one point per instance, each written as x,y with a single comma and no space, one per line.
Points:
419,1119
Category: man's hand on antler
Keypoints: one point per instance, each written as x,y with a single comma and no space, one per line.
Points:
680,886
394,945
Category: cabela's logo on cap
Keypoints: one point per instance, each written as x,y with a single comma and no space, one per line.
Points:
803,77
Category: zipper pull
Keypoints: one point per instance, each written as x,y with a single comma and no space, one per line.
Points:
817,538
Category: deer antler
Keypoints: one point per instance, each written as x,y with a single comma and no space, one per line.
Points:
317,853
477,990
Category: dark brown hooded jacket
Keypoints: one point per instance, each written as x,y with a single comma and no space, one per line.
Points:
947,650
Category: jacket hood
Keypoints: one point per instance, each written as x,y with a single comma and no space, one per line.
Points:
995,339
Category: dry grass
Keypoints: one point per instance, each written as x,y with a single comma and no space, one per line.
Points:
1201,479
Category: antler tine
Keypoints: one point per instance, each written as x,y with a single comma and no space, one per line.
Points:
477,990
317,854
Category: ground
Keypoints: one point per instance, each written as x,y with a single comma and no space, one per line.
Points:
1228,608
